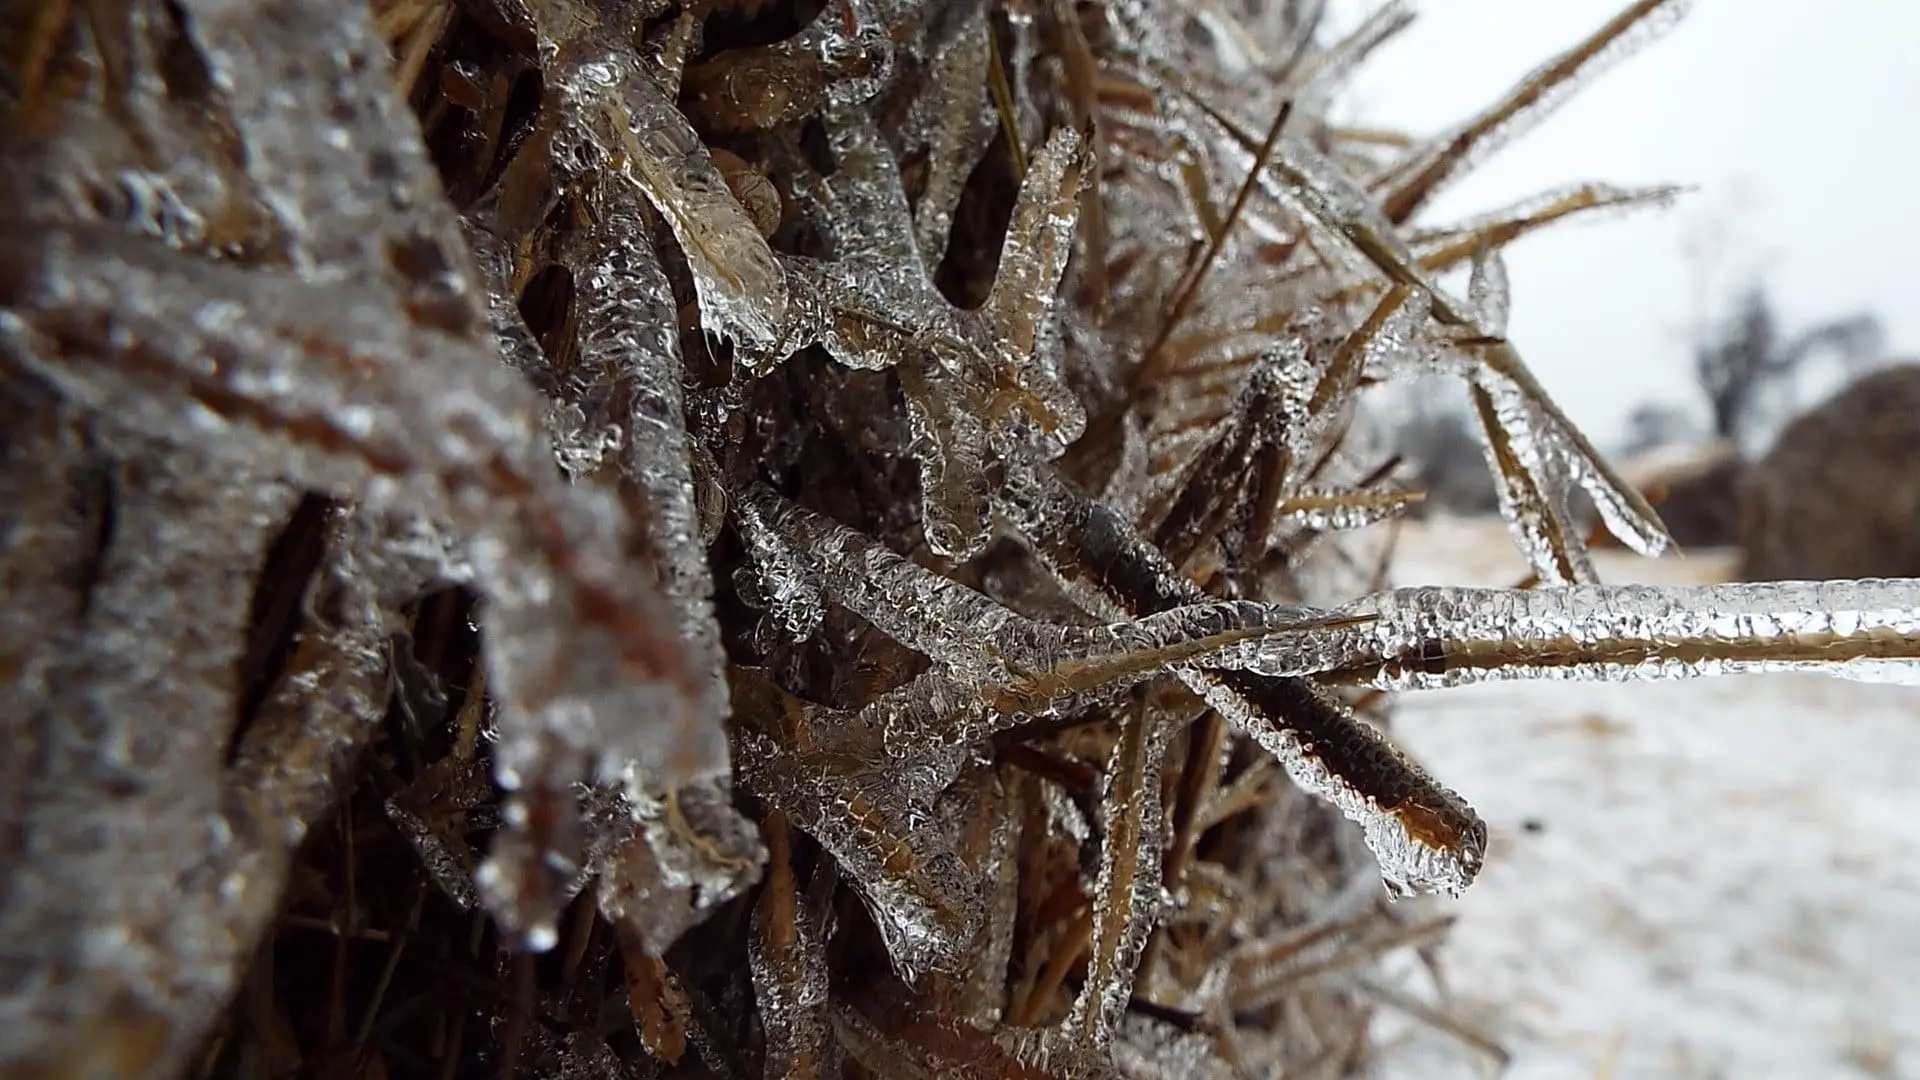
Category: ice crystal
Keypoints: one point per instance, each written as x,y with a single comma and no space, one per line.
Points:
617,117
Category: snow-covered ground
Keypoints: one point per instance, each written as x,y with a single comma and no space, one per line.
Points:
1717,878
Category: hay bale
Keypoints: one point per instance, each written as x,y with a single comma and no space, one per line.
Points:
1838,496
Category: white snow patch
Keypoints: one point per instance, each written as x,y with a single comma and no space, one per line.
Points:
1718,878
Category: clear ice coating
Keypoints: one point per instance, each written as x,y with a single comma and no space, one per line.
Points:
618,117
971,379
1537,454
780,581
627,380
677,857
789,968
1127,887
1015,664
1531,476
358,373
1436,636
92,771
1489,294
1424,836
958,124
1531,100
861,808
110,923
339,162
1443,248
921,898
950,443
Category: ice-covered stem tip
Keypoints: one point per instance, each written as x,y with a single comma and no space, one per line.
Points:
626,385
1537,454
1127,886
861,811
1426,838
618,119
1434,636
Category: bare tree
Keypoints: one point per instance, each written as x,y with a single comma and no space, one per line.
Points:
1737,363
1655,424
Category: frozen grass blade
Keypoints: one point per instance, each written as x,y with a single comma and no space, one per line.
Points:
1537,95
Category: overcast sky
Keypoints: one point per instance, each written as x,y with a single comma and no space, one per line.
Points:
1797,123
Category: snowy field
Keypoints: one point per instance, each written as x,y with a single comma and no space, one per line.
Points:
1718,878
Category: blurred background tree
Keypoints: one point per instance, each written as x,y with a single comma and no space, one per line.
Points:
1433,429
1748,368
1753,375
1654,424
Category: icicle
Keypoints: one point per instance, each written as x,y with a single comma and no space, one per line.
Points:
629,373
992,371
515,340
1530,477
1032,259
767,86
679,856
781,579
955,122
618,116
921,609
950,444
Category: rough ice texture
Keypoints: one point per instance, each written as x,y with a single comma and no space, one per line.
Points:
1867,630
623,120
1792,792
1425,836
125,772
